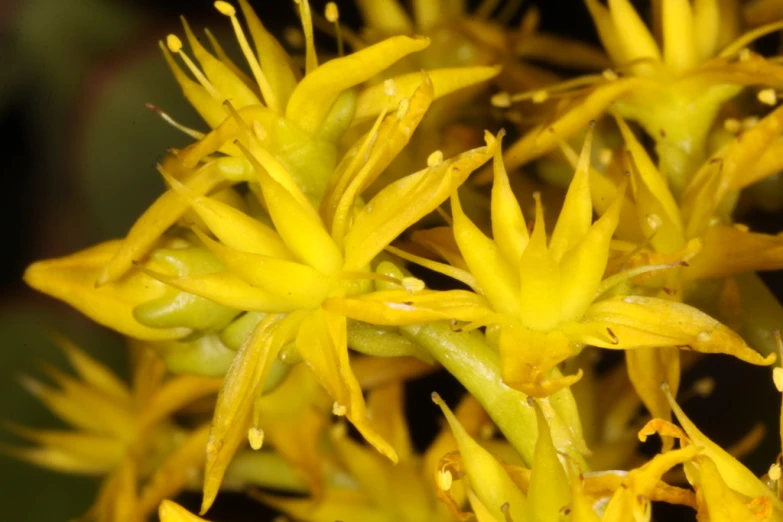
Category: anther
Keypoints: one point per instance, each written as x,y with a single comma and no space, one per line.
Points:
402,108
732,125
435,159
332,15
339,409
704,337
501,100
774,472
768,97
540,96
609,75
175,46
263,83
256,438
445,480
390,88
412,284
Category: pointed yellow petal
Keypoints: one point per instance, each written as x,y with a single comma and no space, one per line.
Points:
235,403
363,164
232,226
496,276
93,372
657,199
227,289
275,62
72,279
404,202
582,268
549,492
300,227
398,307
647,369
539,277
736,476
679,45
313,97
387,406
231,87
509,228
647,321
372,100
635,38
288,280
577,212
545,138
732,250
607,32
209,108
488,478
172,512
322,343
159,216
706,27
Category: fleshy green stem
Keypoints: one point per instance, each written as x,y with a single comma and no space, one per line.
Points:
468,357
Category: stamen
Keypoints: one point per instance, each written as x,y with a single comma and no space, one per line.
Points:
774,472
610,75
390,88
506,509
256,438
768,97
445,480
412,284
501,100
311,59
540,96
168,119
732,125
332,15
435,159
175,46
605,156
339,409
263,83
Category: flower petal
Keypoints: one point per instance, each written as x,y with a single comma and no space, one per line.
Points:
313,97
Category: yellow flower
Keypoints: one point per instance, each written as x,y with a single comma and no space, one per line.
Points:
298,117
725,489
549,298
673,86
122,433
366,486
310,254
548,490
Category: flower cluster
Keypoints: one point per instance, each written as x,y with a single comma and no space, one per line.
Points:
323,242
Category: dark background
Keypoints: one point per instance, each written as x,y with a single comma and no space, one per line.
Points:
77,165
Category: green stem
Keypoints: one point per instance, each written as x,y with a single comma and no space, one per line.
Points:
468,357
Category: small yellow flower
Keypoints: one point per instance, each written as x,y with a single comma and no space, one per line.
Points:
673,86
549,298
122,433
499,491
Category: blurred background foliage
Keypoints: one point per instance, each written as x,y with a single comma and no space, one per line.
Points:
79,150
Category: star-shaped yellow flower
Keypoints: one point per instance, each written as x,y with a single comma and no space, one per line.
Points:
122,433
548,296
673,83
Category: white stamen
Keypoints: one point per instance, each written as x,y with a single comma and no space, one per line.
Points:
435,159
338,409
768,97
412,285
445,480
256,438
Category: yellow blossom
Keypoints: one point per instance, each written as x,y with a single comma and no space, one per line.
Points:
123,433
549,297
673,84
